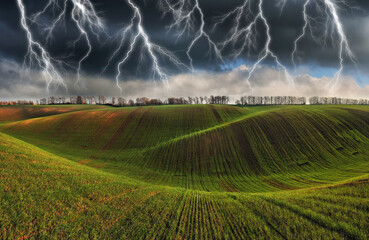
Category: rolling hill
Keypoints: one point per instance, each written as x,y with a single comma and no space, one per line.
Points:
17,113
185,172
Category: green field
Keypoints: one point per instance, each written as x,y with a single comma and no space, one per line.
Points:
184,172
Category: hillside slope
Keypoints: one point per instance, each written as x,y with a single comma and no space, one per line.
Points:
212,148
17,113
44,196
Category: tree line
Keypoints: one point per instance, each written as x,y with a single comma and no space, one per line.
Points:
144,101
141,101
17,102
271,100
199,100
291,100
337,101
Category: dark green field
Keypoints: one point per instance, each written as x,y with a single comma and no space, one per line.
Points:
184,172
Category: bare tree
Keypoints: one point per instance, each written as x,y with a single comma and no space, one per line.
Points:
145,101
155,102
102,99
171,101
72,100
121,101
51,100
79,100
43,101
138,102
190,100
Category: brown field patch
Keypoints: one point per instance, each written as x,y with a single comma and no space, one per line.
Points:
142,119
216,113
120,130
17,113
99,165
108,118
69,120
84,161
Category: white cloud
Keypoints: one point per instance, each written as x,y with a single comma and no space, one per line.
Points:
266,81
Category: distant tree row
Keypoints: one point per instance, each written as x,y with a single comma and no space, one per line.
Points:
102,100
72,100
335,100
291,100
271,100
18,102
142,101
199,100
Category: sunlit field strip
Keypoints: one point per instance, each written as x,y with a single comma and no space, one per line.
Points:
46,195
267,149
105,205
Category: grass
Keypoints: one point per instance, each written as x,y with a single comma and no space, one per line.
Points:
186,172
17,113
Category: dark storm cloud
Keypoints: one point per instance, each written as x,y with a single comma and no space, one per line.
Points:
285,28
12,38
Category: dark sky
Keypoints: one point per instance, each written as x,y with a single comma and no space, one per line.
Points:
285,27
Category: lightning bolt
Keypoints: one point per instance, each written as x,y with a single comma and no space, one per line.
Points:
132,35
282,5
329,11
243,37
38,54
188,18
184,18
86,20
304,28
85,16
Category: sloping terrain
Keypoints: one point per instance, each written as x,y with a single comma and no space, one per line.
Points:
187,172
211,148
44,196
16,113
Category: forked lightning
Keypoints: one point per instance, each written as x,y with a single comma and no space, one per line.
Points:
189,20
